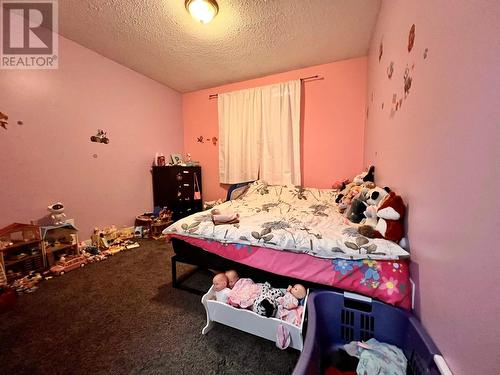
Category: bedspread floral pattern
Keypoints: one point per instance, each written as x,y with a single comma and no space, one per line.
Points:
297,219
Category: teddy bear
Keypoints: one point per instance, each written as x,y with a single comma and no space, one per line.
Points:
390,214
57,213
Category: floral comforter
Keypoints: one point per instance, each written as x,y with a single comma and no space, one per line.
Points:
303,220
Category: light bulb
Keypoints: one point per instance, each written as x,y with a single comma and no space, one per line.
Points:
202,10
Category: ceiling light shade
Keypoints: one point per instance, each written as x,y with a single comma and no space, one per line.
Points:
202,10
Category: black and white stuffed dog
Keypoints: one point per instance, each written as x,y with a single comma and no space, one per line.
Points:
266,303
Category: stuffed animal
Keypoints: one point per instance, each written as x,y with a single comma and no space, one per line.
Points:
355,212
57,213
365,176
266,303
375,195
390,214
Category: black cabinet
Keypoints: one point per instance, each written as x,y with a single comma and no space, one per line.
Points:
174,187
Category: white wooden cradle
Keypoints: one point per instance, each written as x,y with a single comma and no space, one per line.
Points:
248,321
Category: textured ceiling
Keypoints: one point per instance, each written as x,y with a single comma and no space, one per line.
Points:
247,39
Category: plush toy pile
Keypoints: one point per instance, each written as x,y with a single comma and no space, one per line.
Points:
380,211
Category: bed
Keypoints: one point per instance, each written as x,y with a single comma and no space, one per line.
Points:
296,233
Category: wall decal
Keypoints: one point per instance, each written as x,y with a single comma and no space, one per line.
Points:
100,137
407,81
382,105
94,156
214,141
390,70
20,122
426,51
380,51
411,38
4,120
199,139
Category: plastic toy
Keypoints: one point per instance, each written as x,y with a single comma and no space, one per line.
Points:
66,265
100,137
57,213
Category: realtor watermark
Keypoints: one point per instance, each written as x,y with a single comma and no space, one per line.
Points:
28,38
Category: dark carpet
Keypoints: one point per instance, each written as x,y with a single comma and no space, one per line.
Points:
122,316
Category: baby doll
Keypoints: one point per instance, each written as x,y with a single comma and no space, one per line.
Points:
289,309
232,277
220,286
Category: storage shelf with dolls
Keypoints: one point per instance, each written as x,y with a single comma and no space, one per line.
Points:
59,240
20,251
257,308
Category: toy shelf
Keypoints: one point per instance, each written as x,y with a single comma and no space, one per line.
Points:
20,250
20,244
52,243
59,248
9,262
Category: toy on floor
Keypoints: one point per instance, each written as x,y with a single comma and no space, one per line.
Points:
220,282
57,213
68,264
232,277
27,284
289,308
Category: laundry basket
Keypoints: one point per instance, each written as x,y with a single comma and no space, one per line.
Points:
338,318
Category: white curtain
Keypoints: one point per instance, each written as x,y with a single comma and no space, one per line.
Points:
259,132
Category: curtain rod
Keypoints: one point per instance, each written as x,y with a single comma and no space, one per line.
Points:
313,78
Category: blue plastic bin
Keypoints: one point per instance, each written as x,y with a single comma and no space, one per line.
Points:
335,319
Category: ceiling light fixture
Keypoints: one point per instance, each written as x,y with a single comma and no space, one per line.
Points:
202,10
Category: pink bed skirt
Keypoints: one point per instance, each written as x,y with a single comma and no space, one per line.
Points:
385,280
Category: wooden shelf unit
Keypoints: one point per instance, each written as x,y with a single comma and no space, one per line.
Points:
53,248
21,250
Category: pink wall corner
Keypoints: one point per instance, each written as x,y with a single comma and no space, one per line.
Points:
441,152
50,157
333,112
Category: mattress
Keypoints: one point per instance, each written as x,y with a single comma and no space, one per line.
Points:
385,280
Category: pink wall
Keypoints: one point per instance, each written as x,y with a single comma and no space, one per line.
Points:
441,152
50,157
333,120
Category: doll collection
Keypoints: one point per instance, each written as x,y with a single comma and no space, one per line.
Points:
260,298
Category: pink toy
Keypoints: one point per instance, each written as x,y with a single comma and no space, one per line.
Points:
289,309
244,293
